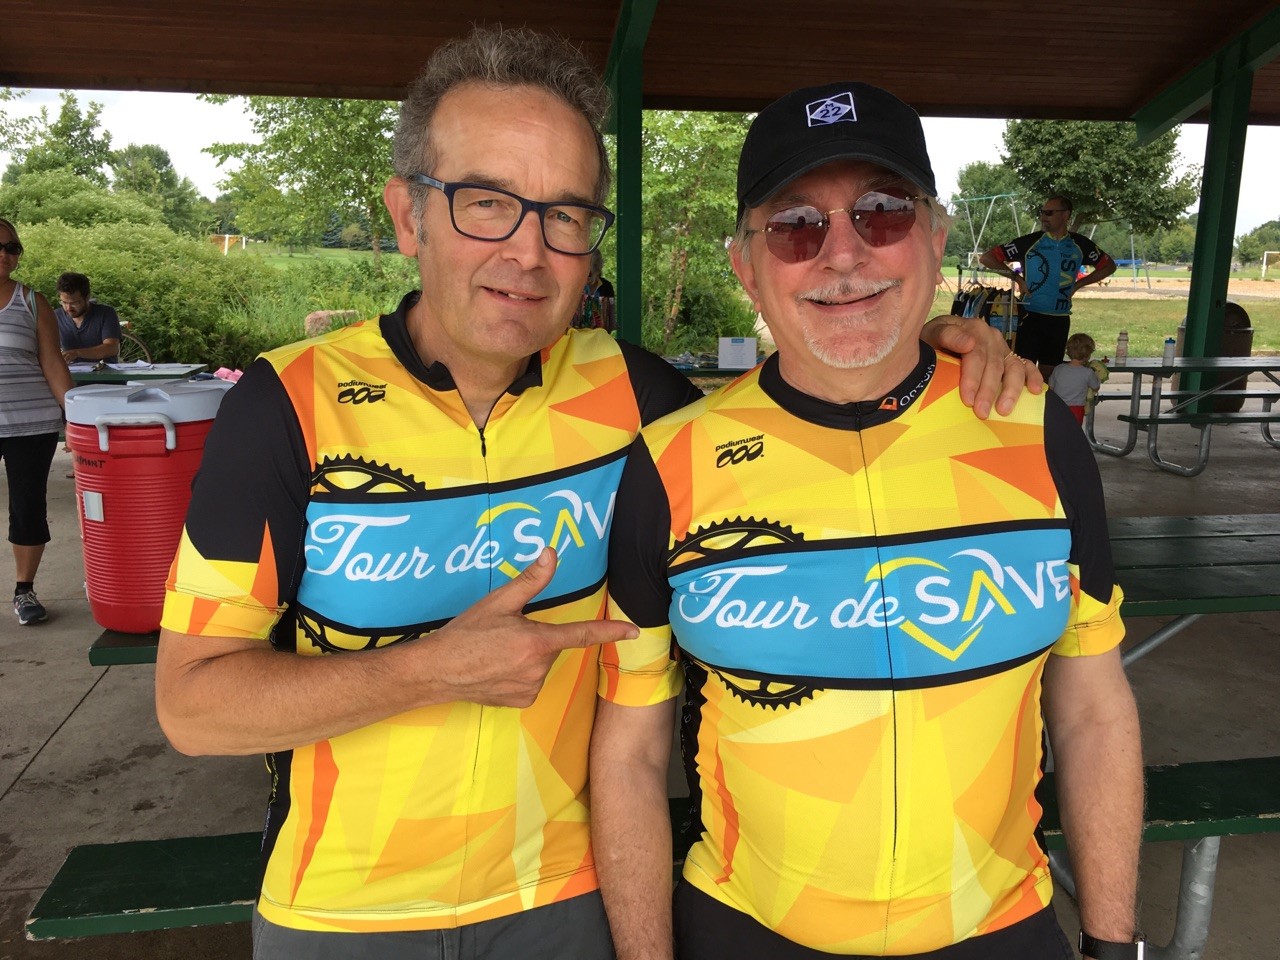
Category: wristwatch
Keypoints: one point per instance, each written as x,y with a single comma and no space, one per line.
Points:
1135,949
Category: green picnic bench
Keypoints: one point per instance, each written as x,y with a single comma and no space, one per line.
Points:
1186,567
194,881
113,648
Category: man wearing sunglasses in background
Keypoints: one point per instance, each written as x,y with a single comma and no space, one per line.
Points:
1051,261
869,590
348,596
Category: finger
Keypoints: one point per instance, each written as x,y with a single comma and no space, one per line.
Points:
588,633
513,596
1021,374
980,369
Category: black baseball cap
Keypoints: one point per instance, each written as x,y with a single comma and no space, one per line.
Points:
838,121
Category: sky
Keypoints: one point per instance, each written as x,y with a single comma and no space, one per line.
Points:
184,125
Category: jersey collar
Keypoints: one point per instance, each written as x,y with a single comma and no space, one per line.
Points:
395,330
849,416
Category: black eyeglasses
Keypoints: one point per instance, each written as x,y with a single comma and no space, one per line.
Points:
1046,212
488,213
881,217
13,248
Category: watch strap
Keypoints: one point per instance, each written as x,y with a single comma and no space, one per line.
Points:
1135,949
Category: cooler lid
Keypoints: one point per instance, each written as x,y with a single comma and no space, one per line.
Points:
182,401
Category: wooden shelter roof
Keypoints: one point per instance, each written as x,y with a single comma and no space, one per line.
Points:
953,58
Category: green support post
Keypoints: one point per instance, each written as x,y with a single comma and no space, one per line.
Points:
1219,196
625,75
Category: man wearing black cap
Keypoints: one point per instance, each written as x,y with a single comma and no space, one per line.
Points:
871,592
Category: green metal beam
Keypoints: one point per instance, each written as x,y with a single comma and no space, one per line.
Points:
1215,228
625,74
1248,50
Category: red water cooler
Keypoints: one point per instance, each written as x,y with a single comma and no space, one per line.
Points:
136,450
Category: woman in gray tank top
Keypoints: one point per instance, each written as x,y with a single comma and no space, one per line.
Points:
33,381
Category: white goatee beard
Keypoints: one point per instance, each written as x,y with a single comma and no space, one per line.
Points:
874,350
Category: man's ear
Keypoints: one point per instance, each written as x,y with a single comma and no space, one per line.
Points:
400,205
745,271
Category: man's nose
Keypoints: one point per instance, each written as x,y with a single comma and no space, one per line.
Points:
844,248
527,242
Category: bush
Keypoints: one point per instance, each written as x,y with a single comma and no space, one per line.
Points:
61,195
190,303
705,316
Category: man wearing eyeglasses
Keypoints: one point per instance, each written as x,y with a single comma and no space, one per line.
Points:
1051,259
870,592
364,588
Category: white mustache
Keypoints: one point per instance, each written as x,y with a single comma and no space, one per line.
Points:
846,290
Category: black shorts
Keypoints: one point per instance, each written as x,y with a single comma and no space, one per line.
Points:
26,467
1042,337
706,929
576,928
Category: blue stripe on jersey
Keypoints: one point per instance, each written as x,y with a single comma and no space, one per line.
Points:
909,611
360,573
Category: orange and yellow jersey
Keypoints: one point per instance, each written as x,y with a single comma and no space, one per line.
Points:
864,597
347,501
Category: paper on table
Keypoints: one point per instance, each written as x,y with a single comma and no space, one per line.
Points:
136,365
81,366
737,353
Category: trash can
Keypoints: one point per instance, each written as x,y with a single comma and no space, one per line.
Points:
136,449
1237,341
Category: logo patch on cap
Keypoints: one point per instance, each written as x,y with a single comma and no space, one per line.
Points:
831,110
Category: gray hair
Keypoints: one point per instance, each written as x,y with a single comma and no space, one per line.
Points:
938,218
501,58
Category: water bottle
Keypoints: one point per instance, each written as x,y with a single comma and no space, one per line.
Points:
1170,347
1122,347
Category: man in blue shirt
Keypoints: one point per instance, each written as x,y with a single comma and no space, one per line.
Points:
1051,260
87,330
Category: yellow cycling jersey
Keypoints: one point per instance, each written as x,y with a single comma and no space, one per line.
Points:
347,501
864,597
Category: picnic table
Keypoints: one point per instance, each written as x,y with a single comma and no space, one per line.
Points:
1187,405
1186,567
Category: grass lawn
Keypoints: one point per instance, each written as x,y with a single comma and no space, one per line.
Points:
1150,321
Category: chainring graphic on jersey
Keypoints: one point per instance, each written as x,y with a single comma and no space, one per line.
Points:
723,541
348,474
1037,268
317,633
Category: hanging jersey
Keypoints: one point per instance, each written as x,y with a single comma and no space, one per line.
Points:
864,598
375,511
1050,267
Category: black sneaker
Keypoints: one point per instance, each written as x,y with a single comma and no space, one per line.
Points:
29,609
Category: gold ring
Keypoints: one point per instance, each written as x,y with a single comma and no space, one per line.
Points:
1011,354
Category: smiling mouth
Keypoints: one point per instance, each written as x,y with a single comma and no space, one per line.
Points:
519,297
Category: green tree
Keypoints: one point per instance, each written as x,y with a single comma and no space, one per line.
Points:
59,194
264,211
690,169
1248,249
983,209
72,141
1178,244
13,130
317,156
1104,171
1251,246
147,170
